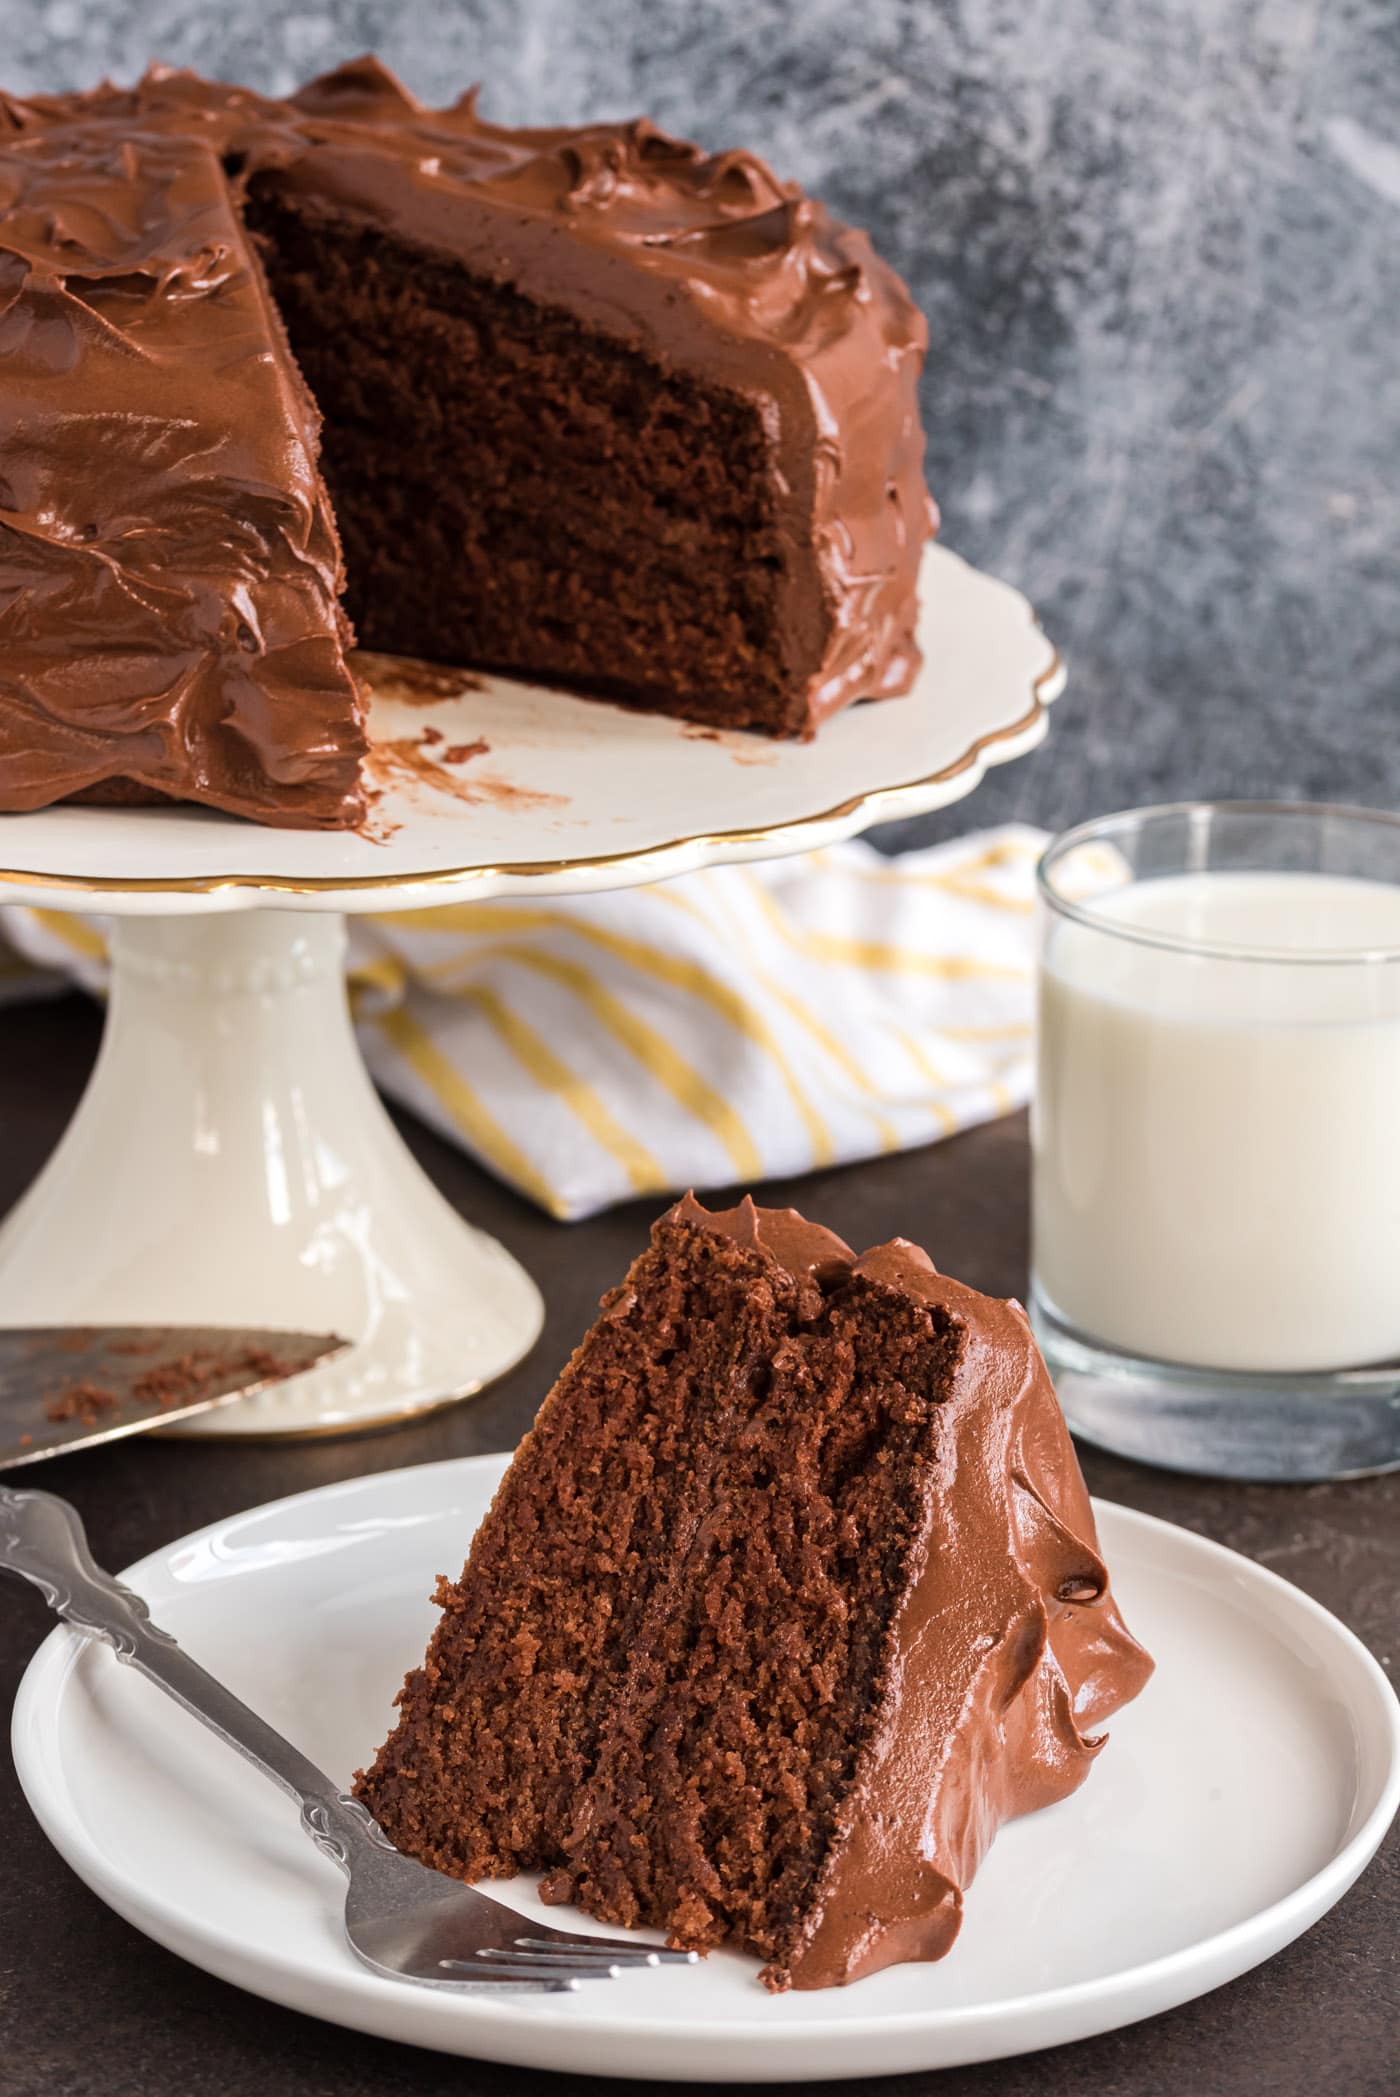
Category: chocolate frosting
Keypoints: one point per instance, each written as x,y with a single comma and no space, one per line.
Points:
1007,1651
168,562
802,1248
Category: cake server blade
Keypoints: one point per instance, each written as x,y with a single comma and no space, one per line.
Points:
66,1387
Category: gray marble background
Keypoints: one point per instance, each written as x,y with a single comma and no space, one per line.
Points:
1159,249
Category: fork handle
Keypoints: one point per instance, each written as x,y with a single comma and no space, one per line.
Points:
42,1540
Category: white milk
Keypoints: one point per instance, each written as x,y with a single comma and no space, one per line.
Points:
1217,1142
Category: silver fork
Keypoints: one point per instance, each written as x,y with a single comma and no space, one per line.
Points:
401,1918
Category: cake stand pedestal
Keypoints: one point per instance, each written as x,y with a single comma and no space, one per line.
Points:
231,1162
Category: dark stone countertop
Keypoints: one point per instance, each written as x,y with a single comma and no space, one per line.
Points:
89,2008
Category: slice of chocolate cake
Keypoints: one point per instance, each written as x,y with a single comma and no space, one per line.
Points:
790,1597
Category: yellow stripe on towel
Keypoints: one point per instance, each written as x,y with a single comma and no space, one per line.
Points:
805,1018
464,1109
751,1024
78,937
645,1174
651,1049
918,1055
675,970
1014,1030
873,953
957,881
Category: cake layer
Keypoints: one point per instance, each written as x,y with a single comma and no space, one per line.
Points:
721,1778
499,1729
703,267
608,522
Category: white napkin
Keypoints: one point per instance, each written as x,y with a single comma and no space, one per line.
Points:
735,1025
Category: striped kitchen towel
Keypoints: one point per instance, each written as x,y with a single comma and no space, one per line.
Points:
735,1025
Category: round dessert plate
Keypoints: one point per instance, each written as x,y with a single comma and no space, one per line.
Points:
486,787
1194,1851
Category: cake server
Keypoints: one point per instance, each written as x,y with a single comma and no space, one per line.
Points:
401,1918
65,1387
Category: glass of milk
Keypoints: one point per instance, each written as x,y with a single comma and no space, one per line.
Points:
1216,1133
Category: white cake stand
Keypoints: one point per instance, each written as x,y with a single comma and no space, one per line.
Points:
231,1162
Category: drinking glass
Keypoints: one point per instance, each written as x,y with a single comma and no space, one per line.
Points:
1216,1137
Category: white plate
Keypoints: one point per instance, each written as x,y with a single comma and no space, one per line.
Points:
571,794
1235,1802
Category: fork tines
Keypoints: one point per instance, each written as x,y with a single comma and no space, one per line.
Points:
613,1947
550,1962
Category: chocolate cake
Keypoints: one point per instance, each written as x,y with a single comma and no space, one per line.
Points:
790,1597
585,406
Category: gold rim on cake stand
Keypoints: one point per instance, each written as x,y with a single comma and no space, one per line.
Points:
615,802
778,839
